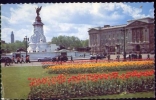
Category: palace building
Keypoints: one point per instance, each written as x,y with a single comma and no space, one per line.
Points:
137,34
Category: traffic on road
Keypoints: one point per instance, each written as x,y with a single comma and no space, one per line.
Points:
6,61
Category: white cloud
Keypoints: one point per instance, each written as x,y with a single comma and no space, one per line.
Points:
6,33
131,11
23,14
22,33
66,18
18,34
151,13
4,22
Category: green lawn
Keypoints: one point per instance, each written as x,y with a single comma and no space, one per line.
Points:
16,84
15,80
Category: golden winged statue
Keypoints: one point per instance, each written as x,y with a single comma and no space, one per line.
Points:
38,10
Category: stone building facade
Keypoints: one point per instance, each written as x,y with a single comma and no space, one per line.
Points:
138,36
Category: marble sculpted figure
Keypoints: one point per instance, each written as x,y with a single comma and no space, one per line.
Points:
38,35
38,40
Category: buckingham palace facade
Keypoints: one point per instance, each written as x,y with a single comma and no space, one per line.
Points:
138,35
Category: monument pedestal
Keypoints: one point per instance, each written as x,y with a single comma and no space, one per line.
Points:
38,40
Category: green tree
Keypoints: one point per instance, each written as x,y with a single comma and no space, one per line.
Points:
12,47
67,41
85,43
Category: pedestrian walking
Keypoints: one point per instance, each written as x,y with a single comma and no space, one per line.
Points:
84,55
13,59
140,56
22,59
27,59
148,56
72,59
118,57
96,58
130,57
18,60
124,56
108,57
61,59
58,59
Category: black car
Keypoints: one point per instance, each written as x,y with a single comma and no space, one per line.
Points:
133,56
44,59
63,58
98,57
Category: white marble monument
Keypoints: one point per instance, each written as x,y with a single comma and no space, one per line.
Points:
38,40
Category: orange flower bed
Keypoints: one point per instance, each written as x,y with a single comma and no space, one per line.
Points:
92,67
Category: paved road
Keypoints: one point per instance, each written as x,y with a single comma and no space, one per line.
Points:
34,63
23,64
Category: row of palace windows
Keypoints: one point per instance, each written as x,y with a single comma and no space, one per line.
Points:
105,35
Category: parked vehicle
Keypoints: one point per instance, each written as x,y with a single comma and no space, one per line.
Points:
133,56
98,57
63,58
127,56
44,59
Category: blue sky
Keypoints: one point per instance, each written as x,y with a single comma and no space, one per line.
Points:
70,19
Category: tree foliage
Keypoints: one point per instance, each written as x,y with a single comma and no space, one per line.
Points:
69,41
66,41
12,47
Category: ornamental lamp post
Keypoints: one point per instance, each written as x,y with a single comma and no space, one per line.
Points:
109,45
7,50
26,39
106,45
124,43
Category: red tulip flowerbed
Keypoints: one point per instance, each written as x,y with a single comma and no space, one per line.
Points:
80,85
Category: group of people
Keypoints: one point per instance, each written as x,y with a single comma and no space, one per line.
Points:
16,60
20,59
132,56
59,60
